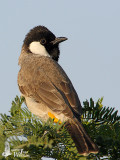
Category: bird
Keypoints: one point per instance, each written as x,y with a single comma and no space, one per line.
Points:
48,91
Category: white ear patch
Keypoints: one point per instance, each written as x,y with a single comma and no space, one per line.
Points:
37,48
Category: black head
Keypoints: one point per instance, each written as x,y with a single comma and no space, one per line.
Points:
42,41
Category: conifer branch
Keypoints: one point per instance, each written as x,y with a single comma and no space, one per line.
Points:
52,139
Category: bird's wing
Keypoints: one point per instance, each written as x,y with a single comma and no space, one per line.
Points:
61,97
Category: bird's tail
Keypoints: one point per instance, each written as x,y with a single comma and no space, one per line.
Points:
82,141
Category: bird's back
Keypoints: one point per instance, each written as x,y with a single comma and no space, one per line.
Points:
40,70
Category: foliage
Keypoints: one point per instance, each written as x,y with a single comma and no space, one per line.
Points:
103,125
52,140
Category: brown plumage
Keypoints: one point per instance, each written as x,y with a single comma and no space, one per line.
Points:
47,88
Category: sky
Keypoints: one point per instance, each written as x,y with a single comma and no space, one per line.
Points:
90,56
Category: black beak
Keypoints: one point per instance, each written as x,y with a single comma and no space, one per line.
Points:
58,40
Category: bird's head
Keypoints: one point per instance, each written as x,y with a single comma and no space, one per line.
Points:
42,41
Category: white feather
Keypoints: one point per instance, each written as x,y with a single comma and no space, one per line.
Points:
37,48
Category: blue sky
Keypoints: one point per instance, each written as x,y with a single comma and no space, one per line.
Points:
90,56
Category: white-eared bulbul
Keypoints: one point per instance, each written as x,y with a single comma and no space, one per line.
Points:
47,89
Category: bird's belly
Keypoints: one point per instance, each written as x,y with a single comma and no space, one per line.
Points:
43,111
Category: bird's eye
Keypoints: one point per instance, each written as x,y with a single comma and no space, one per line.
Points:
42,41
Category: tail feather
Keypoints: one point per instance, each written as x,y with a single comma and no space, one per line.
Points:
82,141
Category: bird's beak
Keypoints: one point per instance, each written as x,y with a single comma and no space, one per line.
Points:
58,40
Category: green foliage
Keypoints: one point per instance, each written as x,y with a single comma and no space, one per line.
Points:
2,140
52,140
103,125
43,139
